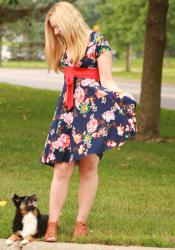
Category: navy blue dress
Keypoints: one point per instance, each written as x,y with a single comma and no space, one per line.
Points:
100,120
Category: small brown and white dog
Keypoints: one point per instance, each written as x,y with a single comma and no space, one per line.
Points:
28,223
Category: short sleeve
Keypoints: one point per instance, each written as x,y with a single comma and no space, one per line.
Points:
102,46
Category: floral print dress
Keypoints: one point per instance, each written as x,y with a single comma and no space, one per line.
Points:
100,120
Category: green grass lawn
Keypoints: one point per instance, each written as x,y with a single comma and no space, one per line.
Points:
168,75
135,202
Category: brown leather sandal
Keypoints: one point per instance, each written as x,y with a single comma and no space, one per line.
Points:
81,229
51,232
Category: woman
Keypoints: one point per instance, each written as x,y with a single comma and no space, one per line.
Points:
92,114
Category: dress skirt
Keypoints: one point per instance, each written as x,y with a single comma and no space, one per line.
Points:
100,120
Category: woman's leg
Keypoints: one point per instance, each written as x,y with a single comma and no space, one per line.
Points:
88,169
59,188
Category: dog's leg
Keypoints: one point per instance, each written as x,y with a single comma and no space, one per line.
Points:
27,240
12,238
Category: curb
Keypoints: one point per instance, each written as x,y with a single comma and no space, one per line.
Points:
40,245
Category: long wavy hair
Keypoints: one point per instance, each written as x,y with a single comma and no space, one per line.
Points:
74,35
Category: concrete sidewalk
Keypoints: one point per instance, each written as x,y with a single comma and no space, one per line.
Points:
40,245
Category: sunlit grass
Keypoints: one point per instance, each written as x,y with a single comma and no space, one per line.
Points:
135,202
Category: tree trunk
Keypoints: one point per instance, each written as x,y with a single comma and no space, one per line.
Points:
0,48
128,57
2,30
155,40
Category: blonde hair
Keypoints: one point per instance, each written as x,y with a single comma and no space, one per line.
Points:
74,35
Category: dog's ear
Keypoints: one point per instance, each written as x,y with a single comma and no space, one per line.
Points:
15,199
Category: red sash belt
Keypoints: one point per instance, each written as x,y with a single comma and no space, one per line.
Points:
70,73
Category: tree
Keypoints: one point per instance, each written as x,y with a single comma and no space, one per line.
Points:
13,10
170,46
124,23
89,11
155,41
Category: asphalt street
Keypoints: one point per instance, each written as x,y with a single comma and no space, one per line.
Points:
40,78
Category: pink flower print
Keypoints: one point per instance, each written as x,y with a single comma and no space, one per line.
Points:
85,82
100,93
134,119
87,100
130,121
67,61
120,130
111,143
77,138
95,134
108,115
91,52
101,131
63,141
127,128
55,145
91,43
79,94
51,157
92,125
67,117
49,142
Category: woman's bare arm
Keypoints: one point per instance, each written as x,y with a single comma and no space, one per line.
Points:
105,70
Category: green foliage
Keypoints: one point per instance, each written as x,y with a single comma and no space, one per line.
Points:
171,28
124,22
89,10
33,35
12,2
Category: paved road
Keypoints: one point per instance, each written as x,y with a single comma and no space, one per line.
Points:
39,78
40,245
